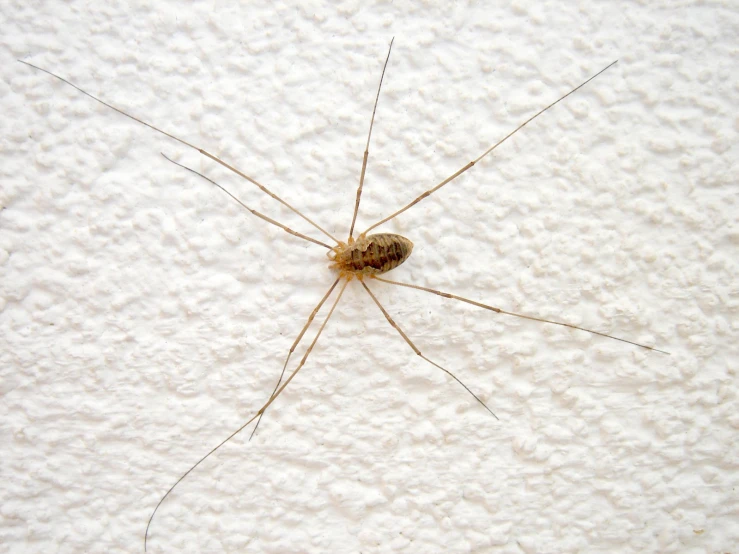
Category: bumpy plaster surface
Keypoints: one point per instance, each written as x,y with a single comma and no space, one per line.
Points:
144,315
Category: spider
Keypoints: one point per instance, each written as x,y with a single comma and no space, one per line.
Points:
364,257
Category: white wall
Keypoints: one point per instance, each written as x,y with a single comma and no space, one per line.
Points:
144,316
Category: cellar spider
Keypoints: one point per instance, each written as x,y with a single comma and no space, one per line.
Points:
364,258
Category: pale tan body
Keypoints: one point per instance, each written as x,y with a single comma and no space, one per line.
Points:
365,258
370,254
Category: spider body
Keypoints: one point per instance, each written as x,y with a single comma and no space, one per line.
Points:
370,254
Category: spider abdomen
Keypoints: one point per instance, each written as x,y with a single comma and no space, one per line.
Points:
372,254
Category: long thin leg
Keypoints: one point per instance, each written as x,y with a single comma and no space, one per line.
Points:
294,346
255,416
473,162
203,152
417,351
256,213
499,311
366,148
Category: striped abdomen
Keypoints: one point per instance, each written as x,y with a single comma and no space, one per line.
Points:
373,254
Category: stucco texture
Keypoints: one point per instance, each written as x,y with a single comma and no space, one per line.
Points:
144,315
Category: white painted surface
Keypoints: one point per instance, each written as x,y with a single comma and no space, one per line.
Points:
144,315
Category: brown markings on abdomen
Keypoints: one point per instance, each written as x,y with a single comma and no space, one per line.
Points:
373,254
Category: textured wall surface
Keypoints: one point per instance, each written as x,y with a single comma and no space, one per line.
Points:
144,315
